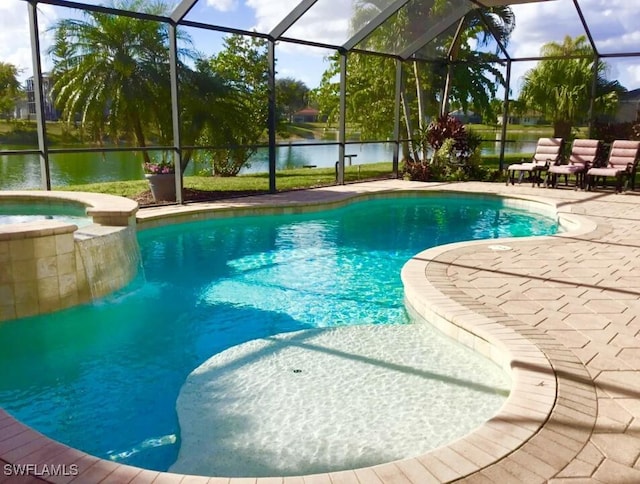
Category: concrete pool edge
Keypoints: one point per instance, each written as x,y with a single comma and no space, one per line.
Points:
297,203
523,415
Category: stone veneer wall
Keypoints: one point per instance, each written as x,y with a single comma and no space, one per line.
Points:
44,267
50,265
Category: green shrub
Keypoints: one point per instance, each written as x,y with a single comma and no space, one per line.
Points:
456,153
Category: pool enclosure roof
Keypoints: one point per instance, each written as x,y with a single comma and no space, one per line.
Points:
349,24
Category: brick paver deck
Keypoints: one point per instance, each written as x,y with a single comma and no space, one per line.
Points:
563,312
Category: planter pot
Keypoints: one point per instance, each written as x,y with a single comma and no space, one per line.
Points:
163,187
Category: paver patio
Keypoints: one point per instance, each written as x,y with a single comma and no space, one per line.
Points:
565,308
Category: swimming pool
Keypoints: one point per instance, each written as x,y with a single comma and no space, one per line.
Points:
116,367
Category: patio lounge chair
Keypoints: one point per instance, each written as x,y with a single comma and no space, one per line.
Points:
621,164
584,153
548,152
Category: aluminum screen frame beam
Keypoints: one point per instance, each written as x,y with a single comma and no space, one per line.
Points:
175,110
342,127
376,22
45,169
103,9
431,34
286,23
182,10
505,116
272,121
585,26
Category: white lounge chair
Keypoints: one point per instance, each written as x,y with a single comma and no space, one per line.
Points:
548,152
584,153
621,165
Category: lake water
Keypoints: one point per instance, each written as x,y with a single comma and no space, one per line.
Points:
21,172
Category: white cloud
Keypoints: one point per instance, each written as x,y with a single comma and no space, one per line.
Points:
15,40
223,5
269,13
612,23
633,74
325,22
540,23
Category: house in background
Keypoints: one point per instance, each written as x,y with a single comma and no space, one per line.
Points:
468,117
21,110
306,115
527,119
628,107
50,112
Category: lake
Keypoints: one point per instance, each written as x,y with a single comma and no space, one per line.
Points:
22,172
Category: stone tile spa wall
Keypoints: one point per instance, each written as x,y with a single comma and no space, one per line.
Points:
48,265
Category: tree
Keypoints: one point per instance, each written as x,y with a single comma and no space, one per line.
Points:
243,65
112,72
10,89
371,80
471,74
208,104
560,87
291,95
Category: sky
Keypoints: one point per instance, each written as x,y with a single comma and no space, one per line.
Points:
612,22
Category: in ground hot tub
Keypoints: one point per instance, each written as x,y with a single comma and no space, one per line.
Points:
60,249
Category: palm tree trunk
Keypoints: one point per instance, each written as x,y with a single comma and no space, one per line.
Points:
453,54
140,138
444,106
407,123
562,129
421,112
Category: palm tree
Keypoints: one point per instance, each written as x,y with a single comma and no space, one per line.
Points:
476,75
560,88
113,71
475,78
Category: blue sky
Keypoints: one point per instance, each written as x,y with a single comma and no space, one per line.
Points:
613,23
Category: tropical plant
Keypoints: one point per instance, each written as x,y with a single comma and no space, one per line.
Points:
560,87
455,152
472,78
111,72
608,132
371,79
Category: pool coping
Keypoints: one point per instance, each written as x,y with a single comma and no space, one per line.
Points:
529,421
103,208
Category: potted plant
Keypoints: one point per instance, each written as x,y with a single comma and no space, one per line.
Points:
161,177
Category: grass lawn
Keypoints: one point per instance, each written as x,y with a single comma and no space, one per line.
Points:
259,183
245,184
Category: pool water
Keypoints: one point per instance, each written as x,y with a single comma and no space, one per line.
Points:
105,377
15,212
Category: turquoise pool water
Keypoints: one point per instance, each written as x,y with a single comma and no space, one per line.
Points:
14,212
105,377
